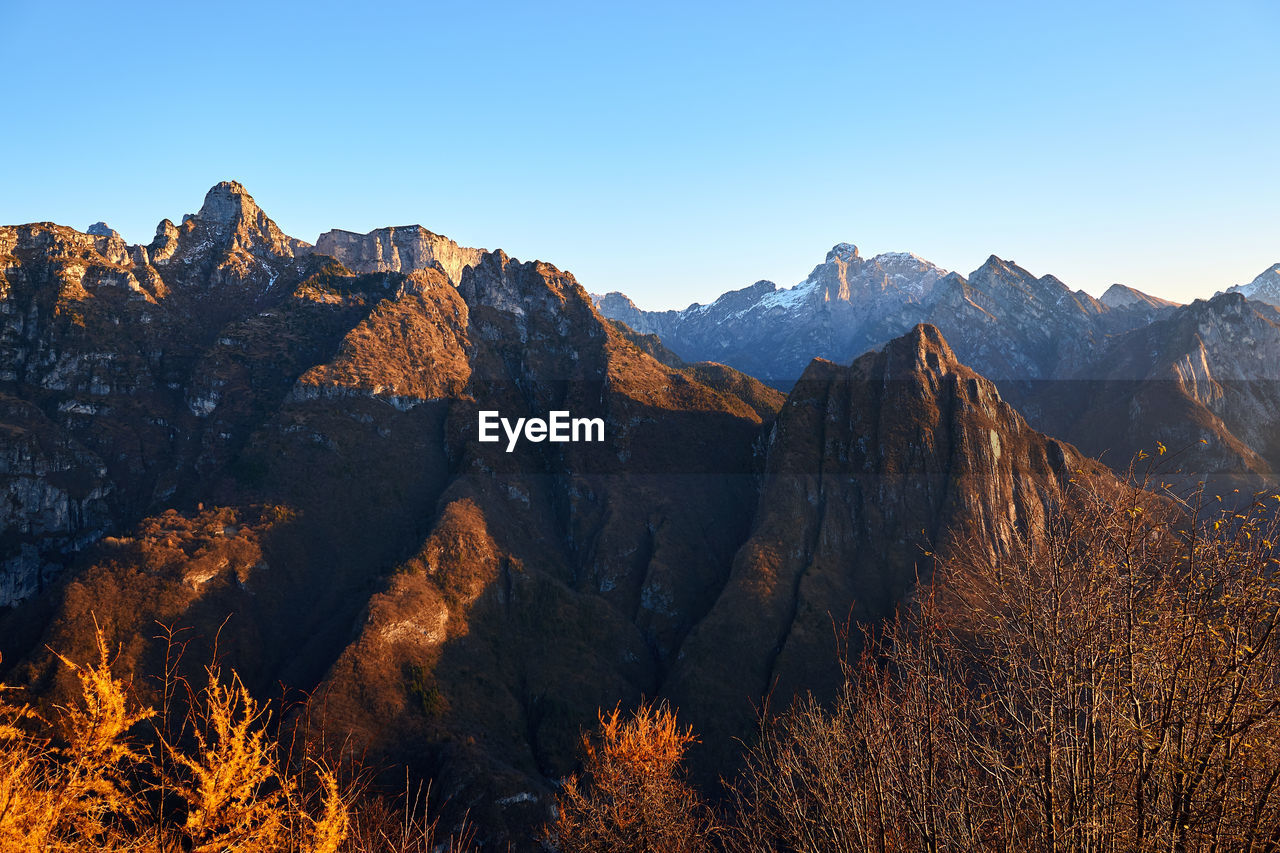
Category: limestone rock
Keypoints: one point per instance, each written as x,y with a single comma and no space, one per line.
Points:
401,249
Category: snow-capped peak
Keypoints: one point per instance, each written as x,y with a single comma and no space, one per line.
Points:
1267,279
1264,288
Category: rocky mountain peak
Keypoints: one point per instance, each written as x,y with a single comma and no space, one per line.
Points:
843,251
1223,305
1123,296
923,357
995,267
232,230
522,289
1051,280
922,344
494,264
1119,295
615,298
227,202
618,306
872,467
101,229
1270,274
230,217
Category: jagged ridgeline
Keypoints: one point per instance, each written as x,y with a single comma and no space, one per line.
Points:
273,447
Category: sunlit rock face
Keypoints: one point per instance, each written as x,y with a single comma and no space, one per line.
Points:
401,249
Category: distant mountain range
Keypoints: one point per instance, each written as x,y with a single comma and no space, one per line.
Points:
1112,374
1002,319
272,444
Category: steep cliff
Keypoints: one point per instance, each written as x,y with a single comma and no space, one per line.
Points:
872,470
401,249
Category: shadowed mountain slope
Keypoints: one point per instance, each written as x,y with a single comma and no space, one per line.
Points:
1203,379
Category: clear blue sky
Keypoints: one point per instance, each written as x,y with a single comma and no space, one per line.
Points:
674,150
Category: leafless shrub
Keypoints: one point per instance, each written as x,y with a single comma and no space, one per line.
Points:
1112,684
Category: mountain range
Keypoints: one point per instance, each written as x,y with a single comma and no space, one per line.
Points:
1111,375
270,447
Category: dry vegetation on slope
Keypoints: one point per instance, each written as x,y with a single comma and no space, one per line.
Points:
1113,687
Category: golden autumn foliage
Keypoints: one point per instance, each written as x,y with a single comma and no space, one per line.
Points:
633,796
230,784
68,797
91,779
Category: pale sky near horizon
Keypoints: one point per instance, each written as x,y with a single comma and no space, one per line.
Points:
674,151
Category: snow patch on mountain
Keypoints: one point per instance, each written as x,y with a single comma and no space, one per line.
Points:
1264,288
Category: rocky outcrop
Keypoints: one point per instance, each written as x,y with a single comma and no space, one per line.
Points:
101,229
403,249
53,503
